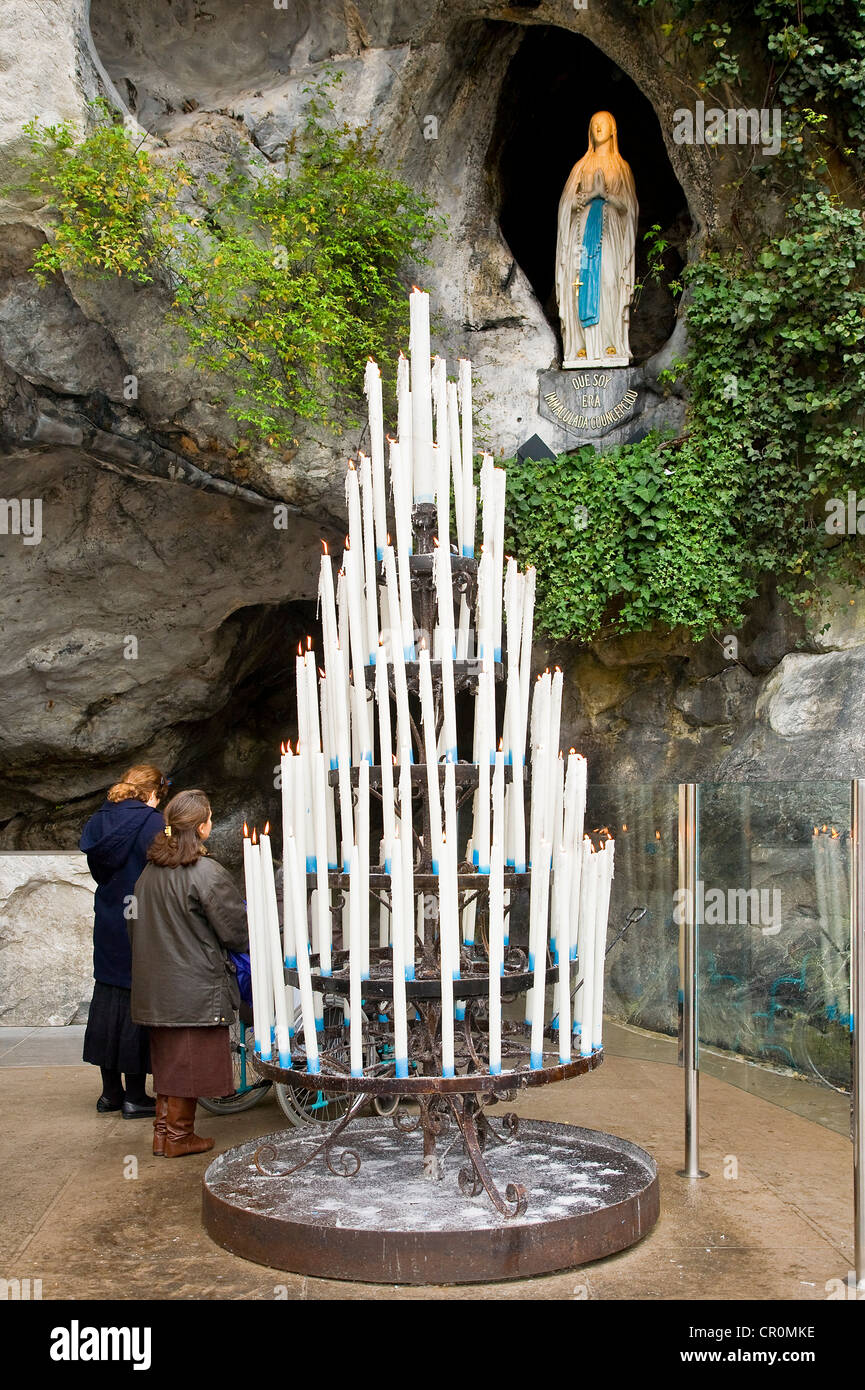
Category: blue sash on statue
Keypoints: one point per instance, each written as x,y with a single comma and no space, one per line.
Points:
590,271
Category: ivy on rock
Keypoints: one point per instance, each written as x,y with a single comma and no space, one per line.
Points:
284,281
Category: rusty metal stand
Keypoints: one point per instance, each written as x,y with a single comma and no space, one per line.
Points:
452,1110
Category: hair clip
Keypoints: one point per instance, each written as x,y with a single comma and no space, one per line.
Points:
168,831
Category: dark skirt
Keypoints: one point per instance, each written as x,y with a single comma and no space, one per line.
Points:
191,1061
111,1039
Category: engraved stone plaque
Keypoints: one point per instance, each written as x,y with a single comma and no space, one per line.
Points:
594,403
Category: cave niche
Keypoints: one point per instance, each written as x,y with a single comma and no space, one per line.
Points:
554,83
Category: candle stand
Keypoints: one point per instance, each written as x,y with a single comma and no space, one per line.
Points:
442,1191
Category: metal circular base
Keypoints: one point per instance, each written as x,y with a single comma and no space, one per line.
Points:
464,1082
375,1218
683,1173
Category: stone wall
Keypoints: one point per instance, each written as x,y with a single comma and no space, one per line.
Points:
156,530
46,938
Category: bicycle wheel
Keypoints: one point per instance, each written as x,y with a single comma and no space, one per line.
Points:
304,1105
248,1089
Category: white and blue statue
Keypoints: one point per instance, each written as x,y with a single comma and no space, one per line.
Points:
595,252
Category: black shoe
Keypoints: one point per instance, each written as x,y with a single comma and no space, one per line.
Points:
133,1111
105,1106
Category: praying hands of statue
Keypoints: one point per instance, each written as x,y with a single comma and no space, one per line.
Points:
599,190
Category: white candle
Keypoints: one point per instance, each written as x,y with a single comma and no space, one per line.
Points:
274,951
538,910
498,798
310,679
583,1014
526,654
564,858
382,695
327,603
449,727
601,919
539,800
456,463
445,596
406,841
354,966
362,831
469,497
575,807
299,828
485,605
369,565
400,1020
499,505
358,648
372,388
321,862
289,779
430,757
330,763
421,398
343,753
403,722
463,630
353,566
449,962
294,872
404,414
355,545
261,1008
485,755
497,937
556,783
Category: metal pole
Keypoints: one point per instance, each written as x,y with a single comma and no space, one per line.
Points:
689,806
857,1006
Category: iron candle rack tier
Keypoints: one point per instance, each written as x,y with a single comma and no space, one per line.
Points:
453,1108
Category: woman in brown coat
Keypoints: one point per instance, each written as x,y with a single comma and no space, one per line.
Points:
184,988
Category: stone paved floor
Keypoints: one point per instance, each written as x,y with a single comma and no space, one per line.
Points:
72,1217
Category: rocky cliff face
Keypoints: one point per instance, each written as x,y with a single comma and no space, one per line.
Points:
157,615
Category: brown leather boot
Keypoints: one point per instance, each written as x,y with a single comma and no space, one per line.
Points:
180,1137
159,1126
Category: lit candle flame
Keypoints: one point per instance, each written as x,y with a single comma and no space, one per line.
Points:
245,831
266,830
253,835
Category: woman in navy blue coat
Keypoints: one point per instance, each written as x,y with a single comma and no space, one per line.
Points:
116,840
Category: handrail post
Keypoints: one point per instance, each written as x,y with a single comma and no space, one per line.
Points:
857,1005
689,809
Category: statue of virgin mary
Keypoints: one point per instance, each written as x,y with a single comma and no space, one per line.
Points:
595,252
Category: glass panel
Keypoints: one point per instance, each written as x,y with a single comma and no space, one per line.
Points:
774,943
642,976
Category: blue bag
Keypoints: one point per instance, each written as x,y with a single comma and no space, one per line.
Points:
240,961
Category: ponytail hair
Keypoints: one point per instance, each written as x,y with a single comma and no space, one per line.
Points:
180,842
139,783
